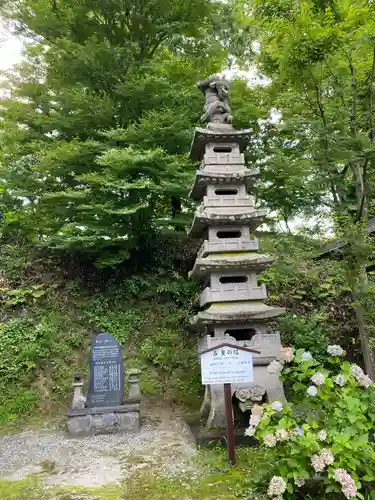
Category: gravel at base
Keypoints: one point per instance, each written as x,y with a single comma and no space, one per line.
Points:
96,460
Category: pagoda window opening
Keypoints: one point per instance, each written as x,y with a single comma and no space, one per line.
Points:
233,279
229,234
241,334
222,149
226,192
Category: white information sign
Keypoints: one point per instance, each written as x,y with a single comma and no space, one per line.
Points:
227,365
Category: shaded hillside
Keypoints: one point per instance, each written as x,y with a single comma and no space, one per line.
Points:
52,306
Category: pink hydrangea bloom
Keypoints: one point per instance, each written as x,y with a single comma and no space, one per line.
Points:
270,440
318,463
364,381
348,486
287,354
256,415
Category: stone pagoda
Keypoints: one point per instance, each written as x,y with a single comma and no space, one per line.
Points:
228,262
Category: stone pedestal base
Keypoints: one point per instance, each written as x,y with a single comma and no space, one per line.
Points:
108,420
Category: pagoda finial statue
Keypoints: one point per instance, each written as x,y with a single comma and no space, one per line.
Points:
216,106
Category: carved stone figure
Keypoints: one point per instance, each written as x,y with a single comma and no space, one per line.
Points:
248,397
216,107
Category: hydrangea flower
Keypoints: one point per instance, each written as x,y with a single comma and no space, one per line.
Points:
327,456
335,350
322,435
348,486
256,415
287,354
270,440
320,462
282,435
318,379
299,481
312,390
254,420
356,371
364,381
277,406
250,431
274,368
340,380
306,356
276,487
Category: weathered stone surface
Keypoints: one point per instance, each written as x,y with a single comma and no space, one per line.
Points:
237,312
216,106
130,422
217,135
232,300
80,426
134,386
242,291
79,400
228,245
237,216
223,177
104,421
240,261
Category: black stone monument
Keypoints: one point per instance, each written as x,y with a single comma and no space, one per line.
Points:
106,386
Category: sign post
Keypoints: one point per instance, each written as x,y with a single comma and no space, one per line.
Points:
227,364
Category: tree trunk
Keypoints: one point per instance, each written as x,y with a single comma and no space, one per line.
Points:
358,284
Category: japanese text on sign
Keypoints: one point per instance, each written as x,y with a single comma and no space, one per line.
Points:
227,365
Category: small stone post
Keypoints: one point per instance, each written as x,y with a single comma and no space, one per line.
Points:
134,386
79,399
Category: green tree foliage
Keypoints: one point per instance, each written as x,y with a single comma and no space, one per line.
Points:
97,121
320,155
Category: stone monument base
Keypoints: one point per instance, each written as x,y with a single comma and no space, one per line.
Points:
107,420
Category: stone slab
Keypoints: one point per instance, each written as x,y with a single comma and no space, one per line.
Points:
130,406
247,261
227,245
105,423
91,421
236,312
236,217
106,385
237,291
